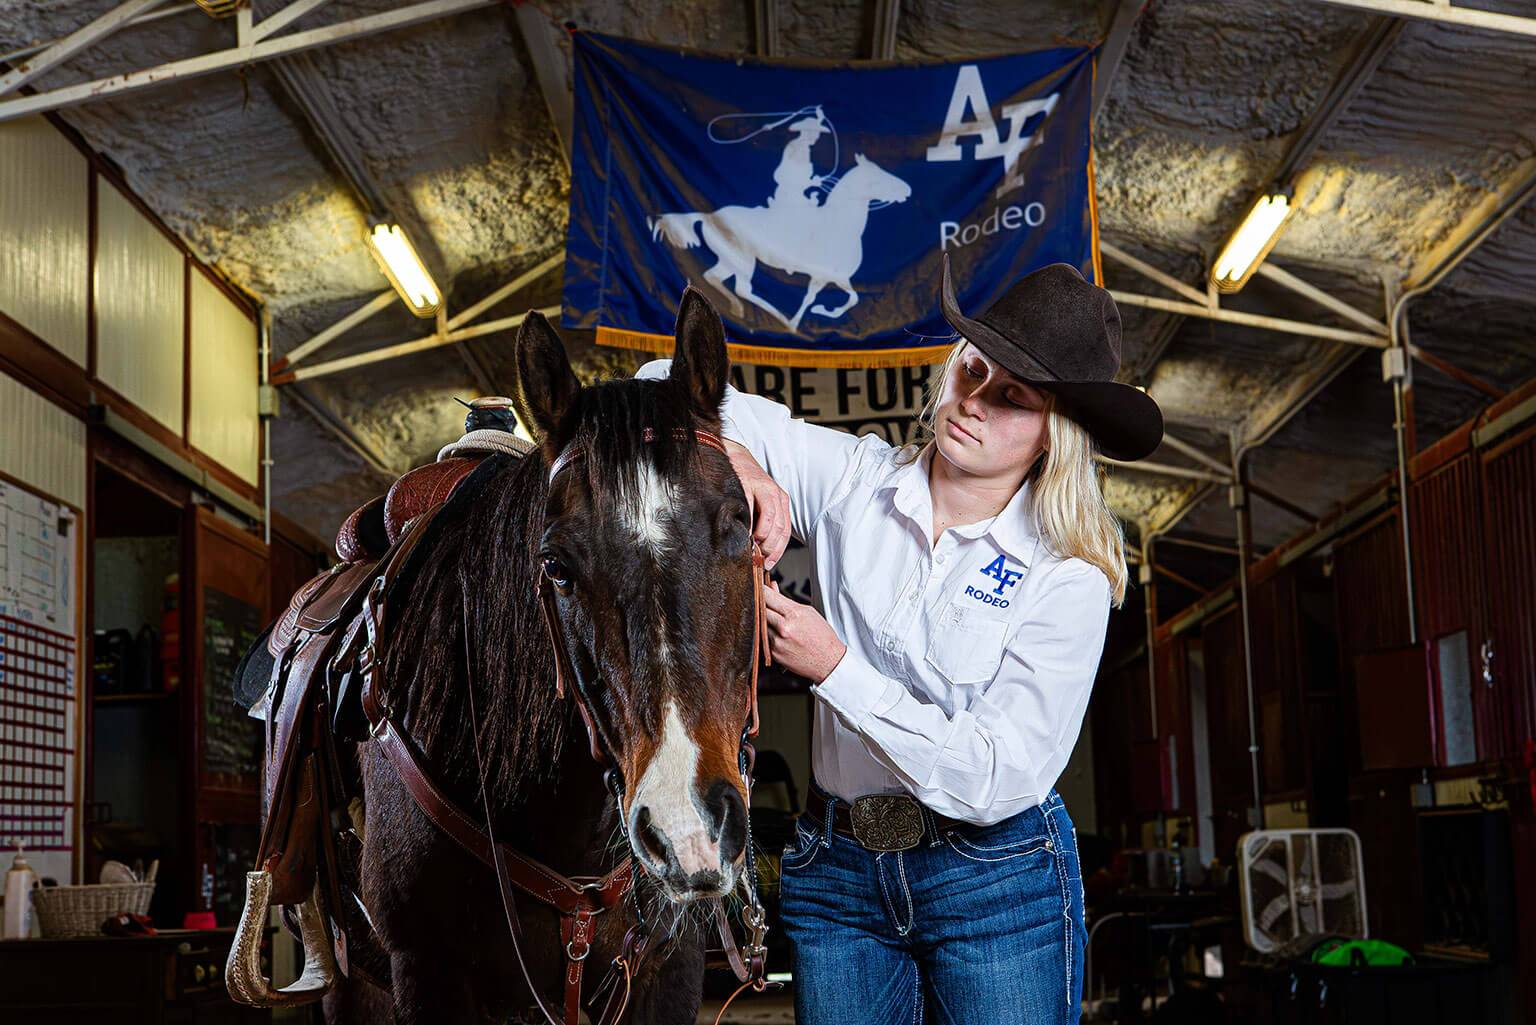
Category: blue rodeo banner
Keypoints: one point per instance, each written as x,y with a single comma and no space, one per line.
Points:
811,201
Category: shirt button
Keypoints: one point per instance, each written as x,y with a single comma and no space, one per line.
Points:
941,559
912,596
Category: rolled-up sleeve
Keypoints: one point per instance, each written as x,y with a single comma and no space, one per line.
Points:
809,461
999,755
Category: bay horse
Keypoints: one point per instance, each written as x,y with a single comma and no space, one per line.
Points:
645,544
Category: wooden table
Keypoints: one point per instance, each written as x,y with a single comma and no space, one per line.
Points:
174,978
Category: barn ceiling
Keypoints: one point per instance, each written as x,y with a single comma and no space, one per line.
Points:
1208,101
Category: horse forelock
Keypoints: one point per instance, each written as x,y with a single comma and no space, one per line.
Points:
635,512
646,515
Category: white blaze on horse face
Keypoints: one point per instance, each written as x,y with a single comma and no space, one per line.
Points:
666,790
646,509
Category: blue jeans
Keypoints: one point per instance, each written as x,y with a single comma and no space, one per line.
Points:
977,925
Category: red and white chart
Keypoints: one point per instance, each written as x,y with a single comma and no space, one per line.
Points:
38,672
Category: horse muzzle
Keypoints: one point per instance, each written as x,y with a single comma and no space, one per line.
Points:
692,846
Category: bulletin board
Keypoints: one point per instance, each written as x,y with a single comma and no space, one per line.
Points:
40,554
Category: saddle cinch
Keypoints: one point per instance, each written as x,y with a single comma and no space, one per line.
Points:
313,701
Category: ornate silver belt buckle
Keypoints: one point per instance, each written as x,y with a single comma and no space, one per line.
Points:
887,822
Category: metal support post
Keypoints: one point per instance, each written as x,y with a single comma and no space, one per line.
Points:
267,408
1149,598
1395,370
1237,497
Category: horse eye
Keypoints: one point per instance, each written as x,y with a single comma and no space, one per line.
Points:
730,517
558,575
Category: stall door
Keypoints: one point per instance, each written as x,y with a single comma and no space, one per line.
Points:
1507,658
227,600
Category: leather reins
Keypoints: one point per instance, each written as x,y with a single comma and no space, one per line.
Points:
577,899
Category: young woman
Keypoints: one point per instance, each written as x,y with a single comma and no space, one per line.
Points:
964,584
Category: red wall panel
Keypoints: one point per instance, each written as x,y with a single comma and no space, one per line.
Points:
1446,533
1509,503
1371,607
1448,573
1369,592
1226,703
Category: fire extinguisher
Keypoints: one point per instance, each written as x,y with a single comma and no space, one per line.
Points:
1530,767
170,633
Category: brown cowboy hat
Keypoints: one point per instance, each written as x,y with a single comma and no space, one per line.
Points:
1059,333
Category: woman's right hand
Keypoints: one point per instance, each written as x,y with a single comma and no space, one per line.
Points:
767,501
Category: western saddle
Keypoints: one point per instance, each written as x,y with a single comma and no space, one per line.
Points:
313,701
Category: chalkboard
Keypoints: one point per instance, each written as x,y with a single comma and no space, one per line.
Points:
231,739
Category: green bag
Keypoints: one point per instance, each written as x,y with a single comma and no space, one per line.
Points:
1341,953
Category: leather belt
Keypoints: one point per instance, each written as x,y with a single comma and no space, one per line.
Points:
877,822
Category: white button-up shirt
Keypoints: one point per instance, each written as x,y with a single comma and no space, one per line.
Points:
969,661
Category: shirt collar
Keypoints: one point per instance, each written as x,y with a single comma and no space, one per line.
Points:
1012,531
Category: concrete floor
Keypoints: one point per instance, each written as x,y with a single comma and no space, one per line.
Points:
775,1008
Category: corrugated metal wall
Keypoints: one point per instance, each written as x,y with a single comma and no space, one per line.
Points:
140,316
1448,572
224,421
1509,498
41,446
1277,683
44,224
1445,549
1369,593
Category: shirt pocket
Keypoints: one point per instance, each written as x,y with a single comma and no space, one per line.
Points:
966,648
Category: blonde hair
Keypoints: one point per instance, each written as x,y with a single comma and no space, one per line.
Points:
1067,486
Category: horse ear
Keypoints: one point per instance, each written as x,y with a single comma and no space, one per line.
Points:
549,385
699,362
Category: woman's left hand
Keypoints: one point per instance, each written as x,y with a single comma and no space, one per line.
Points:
799,639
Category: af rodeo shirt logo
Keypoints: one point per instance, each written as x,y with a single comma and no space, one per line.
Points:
998,570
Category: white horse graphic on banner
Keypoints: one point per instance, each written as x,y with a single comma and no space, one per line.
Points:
824,242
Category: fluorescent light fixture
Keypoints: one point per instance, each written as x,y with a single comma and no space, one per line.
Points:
1249,244
404,269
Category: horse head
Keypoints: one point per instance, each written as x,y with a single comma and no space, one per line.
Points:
647,550
867,180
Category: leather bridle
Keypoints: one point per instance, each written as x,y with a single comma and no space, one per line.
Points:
563,667
577,899
748,964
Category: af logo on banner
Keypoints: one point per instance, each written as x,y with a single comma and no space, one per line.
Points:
812,203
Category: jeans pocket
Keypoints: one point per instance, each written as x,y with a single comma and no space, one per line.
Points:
1066,847
802,851
1001,852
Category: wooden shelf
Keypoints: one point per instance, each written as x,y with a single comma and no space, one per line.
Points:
113,699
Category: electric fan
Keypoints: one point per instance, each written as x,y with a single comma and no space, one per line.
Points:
1300,882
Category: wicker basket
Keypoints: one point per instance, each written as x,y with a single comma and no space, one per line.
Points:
64,911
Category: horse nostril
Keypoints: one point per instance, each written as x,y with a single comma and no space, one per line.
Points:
727,819
652,841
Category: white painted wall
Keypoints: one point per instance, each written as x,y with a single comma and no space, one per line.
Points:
224,422
44,229
41,446
140,283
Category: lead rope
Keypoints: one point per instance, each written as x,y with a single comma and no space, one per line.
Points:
508,902
754,917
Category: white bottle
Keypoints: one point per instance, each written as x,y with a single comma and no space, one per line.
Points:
19,884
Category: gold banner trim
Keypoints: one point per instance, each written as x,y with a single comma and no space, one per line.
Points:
843,359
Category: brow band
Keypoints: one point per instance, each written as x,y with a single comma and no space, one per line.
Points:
705,438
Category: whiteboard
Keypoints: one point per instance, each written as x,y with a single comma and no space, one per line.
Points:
40,548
